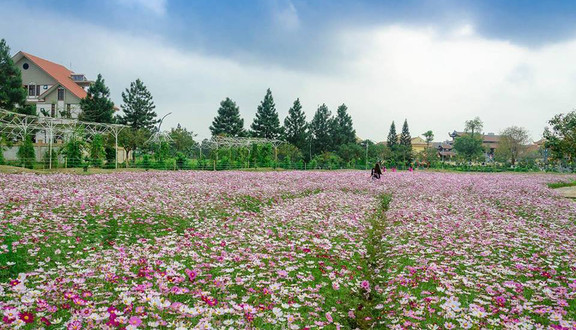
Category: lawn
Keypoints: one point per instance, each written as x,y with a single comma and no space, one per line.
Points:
286,250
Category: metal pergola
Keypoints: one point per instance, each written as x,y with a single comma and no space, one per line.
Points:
243,142
17,126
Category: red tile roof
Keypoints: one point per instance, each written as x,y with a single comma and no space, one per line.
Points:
58,72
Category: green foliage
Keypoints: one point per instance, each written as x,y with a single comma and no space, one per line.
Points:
351,152
295,126
2,161
12,95
473,126
469,146
73,150
97,106
561,137
132,139
146,161
46,159
392,140
405,145
110,156
289,151
138,107
320,128
513,143
181,160
266,123
327,160
97,152
228,121
161,152
26,153
342,129
183,141
429,137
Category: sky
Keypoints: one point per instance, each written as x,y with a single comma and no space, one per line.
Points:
435,64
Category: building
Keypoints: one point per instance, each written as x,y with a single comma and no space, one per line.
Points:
489,142
55,90
418,144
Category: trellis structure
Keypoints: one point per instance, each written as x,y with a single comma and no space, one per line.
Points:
17,126
243,142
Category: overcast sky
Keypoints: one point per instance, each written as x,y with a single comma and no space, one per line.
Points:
434,63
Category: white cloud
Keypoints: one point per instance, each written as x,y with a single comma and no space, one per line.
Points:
157,7
285,14
389,73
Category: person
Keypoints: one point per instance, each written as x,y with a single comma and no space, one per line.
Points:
376,172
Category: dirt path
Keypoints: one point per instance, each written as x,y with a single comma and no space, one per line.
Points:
569,192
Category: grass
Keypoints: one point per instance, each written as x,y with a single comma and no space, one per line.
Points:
555,185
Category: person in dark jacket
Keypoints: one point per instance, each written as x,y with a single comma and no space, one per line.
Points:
376,171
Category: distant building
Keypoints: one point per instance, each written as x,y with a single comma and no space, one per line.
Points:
418,144
55,90
489,142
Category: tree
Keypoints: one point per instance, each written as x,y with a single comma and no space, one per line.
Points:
266,123
131,139
183,141
73,149
513,142
97,106
295,126
138,107
228,121
320,130
351,153
561,137
469,145
97,152
12,94
26,153
392,142
429,137
473,126
405,149
343,130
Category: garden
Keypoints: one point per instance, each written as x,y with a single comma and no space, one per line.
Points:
287,250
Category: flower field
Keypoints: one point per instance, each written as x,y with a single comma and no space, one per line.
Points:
286,250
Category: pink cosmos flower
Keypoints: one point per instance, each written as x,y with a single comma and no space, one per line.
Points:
329,317
135,321
365,285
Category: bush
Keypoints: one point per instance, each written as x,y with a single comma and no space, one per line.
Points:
181,160
26,153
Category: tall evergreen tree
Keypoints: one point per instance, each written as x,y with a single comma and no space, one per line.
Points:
392,141
12,94
138,107
405,143
228,121
266,124
320,130
295,126
97,106
343,132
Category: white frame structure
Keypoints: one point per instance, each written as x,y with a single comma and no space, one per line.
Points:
243,142
18,126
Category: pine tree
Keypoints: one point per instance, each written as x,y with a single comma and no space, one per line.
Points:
12,94
97,106
392,141
138,107
344,132
295,126
228,121
266,124
320,128
405,143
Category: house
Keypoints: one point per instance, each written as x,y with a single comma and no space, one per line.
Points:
55,90
418,144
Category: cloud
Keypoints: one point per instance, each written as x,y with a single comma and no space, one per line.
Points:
435,80
157,7
285,14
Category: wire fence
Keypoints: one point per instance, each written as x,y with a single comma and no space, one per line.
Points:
172,164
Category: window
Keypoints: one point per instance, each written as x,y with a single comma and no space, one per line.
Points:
53,111
25,66
31,90
60,94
